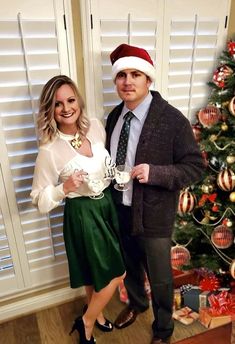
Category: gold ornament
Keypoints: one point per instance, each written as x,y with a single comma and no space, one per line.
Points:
224,126
229,223
207,217
207,188
232,197
76,142
213,138
230,159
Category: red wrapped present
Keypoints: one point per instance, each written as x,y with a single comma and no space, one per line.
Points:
222,304
220,312
185,315
210,321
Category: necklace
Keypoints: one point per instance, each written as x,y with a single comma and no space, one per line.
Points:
76,141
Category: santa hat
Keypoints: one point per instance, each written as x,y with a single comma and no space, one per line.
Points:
128,57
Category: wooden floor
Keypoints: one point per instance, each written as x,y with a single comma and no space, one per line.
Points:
52,326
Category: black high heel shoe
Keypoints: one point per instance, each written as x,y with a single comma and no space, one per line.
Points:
106,327
80,327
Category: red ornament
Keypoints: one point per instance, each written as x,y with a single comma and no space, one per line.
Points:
231,48
215,208
197,131
179,256
220,75
186,202
226,180
209,116
210,283
222,237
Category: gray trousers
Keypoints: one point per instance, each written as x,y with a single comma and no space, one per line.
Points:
150,255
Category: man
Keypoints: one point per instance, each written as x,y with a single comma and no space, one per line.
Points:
165,158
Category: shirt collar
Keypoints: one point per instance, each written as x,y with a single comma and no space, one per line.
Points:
141,110
65,137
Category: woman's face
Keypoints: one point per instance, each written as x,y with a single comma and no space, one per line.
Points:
67,109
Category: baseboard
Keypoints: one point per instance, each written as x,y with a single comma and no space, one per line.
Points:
35,303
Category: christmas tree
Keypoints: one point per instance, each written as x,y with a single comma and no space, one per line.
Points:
205,224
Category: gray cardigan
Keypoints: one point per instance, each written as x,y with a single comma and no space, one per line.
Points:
167,144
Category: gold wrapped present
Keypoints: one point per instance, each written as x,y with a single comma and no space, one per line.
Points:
185,315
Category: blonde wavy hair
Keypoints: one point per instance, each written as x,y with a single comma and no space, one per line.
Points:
47,126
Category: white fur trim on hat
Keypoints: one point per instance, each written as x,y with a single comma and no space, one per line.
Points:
133,62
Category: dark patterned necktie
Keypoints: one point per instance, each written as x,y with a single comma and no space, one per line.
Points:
123,139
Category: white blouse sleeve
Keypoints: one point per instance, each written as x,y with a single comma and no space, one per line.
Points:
46,193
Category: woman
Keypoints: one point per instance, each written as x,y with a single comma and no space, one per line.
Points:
71,157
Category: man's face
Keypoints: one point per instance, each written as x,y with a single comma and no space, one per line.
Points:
132,87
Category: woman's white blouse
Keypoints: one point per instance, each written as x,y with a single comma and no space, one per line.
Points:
57,160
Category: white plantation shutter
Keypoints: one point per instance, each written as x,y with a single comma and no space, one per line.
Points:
183,37
31,246
192,54
10,271
196,36
141,32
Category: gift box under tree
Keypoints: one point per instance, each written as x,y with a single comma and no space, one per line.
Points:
197,297
220,312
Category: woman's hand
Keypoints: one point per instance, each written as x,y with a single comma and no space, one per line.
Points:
74,181
141,172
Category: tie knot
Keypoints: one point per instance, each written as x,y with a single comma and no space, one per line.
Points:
128,116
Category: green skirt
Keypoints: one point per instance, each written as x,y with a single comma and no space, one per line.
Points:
91,241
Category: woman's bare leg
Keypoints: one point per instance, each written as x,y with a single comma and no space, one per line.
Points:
89,291
98,300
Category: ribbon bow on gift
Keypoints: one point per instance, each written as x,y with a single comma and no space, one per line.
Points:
186,312
221,304
185,315
206,197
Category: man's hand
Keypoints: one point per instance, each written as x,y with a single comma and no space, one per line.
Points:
141,172
74,181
